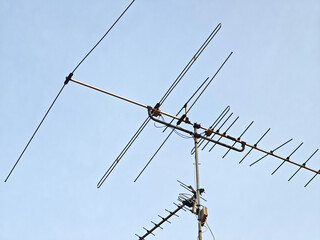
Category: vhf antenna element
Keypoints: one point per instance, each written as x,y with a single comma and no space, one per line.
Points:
64,84
174,84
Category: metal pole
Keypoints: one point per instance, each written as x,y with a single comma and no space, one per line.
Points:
197,182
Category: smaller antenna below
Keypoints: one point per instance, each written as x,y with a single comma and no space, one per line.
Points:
187,203
163,220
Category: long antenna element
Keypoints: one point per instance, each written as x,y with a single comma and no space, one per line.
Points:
165,96
64,84
103,36
25,148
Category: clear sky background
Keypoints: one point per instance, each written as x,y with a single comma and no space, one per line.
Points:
271,78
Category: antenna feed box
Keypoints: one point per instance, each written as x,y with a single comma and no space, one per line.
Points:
203,215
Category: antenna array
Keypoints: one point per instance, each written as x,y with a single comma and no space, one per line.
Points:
187,203
215,135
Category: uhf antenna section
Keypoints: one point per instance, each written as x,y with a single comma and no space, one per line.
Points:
220,125
187,203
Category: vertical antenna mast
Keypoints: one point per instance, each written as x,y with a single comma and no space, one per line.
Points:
197,180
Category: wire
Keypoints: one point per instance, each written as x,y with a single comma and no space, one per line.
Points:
181,135
160,126
210,230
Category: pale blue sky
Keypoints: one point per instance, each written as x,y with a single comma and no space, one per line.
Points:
271,78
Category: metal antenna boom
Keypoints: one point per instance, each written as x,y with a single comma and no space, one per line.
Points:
152,112
158,225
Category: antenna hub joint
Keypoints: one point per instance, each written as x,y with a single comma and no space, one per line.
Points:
196,125
208,132
68,78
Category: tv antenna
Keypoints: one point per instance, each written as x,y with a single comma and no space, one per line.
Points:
216,134
188,202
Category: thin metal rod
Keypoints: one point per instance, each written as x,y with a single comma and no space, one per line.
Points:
107,173
218,130
303,164
215,123
287,159
210,81
312,178
164,219
154,155
243,144
172,213
222,115
192,60
148,231
34,133
197,183
295,150
254,146
157,224
124,150
189,188
280,157
103,36
271,152
132,101
224,133
109,93
238,139
178,206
